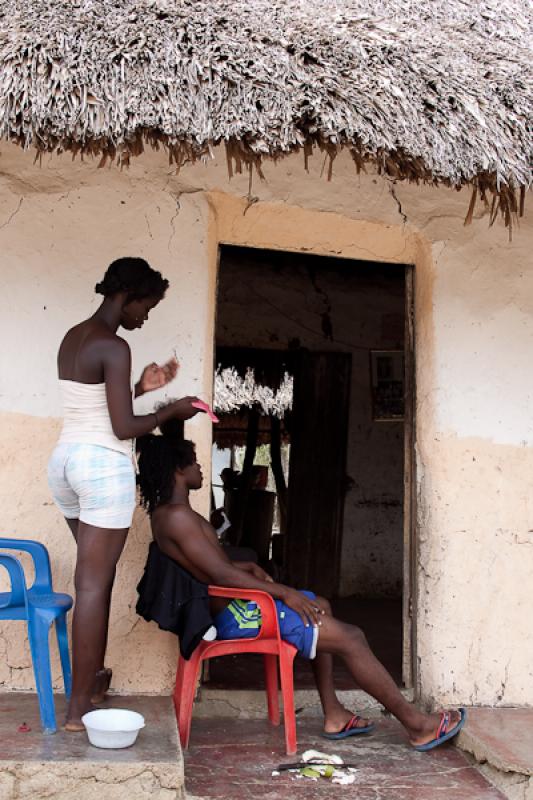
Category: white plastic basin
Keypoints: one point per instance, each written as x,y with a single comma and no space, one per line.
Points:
112,727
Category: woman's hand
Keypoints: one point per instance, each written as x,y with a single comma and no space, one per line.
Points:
304,606
155,376
183,409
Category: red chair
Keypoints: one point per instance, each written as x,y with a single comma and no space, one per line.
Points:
268,642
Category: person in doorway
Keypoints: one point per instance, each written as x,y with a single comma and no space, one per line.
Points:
91,471
168,473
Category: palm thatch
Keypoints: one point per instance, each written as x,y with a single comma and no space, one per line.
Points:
434,90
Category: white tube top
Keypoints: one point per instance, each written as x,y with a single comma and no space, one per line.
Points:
86,417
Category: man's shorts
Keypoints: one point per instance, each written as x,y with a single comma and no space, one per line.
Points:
241,619
93,484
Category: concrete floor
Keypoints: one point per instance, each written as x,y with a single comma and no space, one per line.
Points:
230,761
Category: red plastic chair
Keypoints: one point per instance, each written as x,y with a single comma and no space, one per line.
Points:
268,642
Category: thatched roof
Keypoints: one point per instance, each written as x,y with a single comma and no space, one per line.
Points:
437,90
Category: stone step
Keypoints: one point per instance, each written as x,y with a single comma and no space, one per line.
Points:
64,766
501,742
251,703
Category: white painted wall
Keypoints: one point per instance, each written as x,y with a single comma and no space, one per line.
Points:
60,225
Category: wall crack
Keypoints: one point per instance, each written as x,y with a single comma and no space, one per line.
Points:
14,214
397,201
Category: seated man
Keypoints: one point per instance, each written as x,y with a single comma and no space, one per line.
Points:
168,473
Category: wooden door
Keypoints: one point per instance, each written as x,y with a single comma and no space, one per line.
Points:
317,471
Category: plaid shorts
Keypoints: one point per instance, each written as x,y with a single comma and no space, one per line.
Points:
93,484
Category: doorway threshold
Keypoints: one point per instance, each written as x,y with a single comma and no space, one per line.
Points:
251,703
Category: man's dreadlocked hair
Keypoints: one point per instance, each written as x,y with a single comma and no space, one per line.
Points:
159,458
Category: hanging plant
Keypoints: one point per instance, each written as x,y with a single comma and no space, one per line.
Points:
233,392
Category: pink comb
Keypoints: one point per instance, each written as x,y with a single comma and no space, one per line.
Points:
204,407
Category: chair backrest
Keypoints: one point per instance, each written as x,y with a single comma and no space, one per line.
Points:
41,560
17,596
267,606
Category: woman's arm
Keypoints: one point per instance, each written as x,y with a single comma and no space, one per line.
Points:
117,373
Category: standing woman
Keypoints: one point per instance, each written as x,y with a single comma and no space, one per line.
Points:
91,471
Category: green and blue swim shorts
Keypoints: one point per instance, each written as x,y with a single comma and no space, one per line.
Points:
241,619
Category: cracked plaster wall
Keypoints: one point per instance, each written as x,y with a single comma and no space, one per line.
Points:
60,225
54,250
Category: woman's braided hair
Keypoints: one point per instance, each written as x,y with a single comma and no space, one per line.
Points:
159,458
134,276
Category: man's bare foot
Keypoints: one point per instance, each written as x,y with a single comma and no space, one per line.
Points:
430,728
336,721
101,685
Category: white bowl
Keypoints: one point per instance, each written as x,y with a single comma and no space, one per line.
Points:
112,727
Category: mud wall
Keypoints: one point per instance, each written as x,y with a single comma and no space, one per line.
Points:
62,222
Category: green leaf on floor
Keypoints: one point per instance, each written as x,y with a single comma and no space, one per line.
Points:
309,772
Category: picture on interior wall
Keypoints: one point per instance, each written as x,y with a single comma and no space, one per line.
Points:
387,381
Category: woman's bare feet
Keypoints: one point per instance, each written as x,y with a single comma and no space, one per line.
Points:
81,706
73,723
74,726
101,685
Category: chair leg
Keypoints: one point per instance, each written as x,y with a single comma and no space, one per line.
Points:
38,632
286,659
62,643
184,703
271,683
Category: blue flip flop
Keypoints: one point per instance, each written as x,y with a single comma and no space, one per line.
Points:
444,732
350,729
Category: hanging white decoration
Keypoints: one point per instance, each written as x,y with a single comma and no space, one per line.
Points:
233,392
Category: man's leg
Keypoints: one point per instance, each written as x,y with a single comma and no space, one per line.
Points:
336,716
350,643
98,552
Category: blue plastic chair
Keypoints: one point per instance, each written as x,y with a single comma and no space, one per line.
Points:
40,607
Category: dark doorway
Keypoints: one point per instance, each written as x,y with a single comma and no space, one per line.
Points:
331,514
317,471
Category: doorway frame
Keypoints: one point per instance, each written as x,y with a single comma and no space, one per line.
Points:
410,539
267,226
